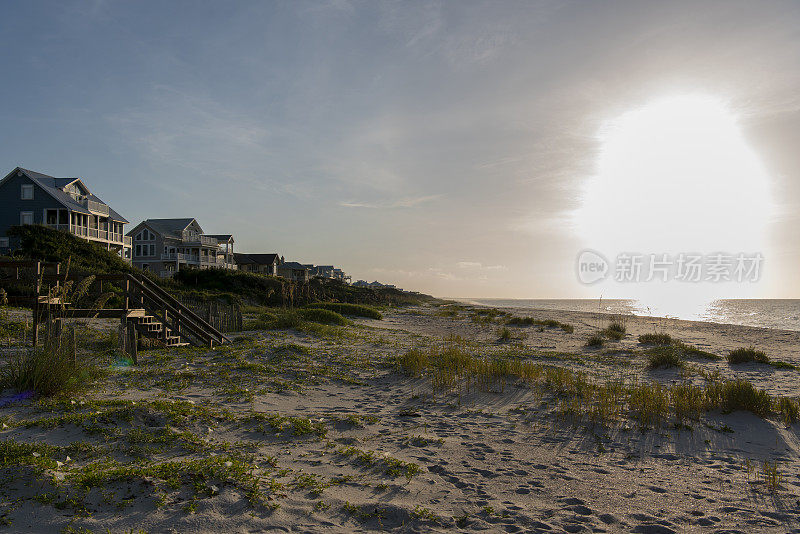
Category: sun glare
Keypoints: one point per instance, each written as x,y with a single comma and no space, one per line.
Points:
676,176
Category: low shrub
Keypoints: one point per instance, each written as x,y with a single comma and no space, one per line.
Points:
264,321
44,371
655,339
744,355
355,310
549,323
649,403
615,330
595,340
688,401
287,319
319,315
505,335
11,329
667,356
789,410
487,315
413,362
733,395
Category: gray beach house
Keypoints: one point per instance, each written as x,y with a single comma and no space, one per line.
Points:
165,246
29,197
258,263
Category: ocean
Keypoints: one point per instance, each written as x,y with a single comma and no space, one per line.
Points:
783,314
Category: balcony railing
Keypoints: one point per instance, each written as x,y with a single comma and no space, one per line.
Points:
188,237
177,256
96,207
92,233
166,274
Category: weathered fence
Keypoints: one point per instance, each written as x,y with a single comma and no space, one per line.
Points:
222,316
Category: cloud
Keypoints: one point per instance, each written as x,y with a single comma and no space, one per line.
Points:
408,202
478,266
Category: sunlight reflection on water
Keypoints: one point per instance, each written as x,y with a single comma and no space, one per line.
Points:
767,313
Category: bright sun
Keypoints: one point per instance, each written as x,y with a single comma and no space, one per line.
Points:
676,176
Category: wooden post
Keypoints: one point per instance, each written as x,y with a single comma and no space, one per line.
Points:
127,295
122,333
133,345
36,304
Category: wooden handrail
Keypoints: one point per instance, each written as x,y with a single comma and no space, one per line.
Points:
183,308
27,263
197,326
188,319
166,321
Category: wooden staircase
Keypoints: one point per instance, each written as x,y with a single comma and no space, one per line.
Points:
150,327
161,316
153,311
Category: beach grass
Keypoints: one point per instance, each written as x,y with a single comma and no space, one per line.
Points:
746,355
595,340
47,370
664,356
549,323
615,330
323,316
655,339
451,367
355,310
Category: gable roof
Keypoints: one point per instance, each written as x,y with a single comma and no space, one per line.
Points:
293,265
256,259
169,227
242,259
54,187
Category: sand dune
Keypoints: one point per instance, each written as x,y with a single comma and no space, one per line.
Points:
318,431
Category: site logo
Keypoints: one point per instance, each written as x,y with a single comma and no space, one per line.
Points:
634,267
592,267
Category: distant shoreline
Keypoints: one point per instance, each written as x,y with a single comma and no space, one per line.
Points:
773,314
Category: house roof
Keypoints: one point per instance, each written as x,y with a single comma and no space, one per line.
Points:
55,188
242,259
256,259
292,265
168,227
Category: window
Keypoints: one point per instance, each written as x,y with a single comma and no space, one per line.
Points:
145,235
3,242
26,217
138,250
27,192
152,250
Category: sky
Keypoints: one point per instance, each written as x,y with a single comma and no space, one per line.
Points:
446,147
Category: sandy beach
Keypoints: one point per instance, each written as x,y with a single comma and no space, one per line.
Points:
320,429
